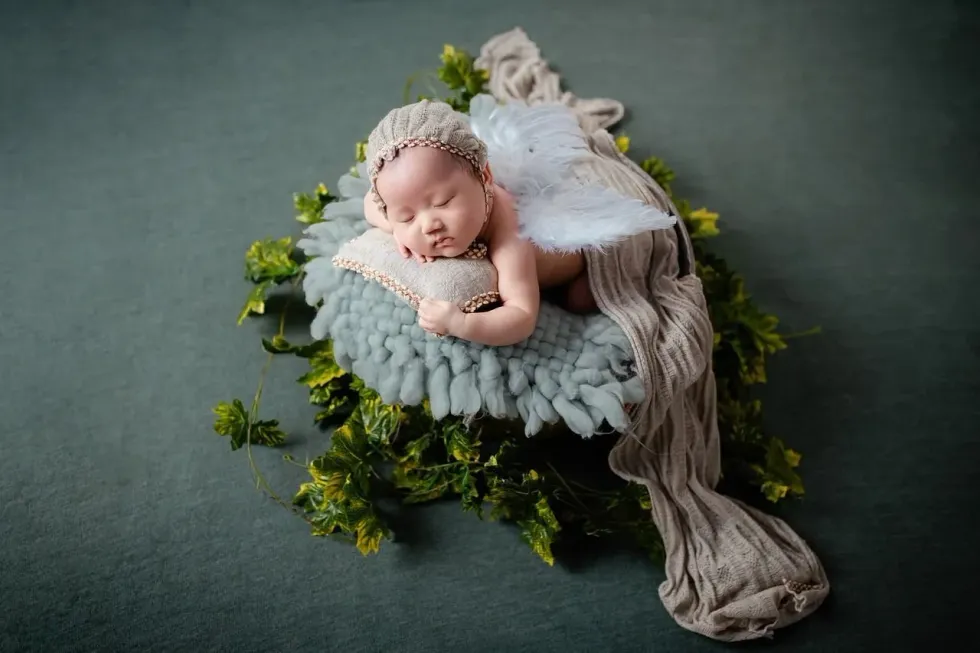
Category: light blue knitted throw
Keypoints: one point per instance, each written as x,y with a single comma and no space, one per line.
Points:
573,368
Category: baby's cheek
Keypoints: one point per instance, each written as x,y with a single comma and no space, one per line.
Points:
469,215
416,241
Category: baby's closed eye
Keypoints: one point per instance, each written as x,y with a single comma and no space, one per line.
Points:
442,204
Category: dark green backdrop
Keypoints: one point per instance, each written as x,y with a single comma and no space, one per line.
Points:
142,148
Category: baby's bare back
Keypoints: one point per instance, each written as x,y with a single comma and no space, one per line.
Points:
556,269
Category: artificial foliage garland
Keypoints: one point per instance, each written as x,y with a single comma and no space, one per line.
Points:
378,451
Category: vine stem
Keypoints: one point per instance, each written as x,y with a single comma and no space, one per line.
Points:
260,481
561,479
802,334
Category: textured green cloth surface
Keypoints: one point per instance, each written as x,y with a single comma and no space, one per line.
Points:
142,148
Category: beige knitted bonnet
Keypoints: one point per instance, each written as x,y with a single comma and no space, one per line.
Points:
424,123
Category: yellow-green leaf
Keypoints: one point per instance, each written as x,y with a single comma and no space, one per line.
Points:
255,302
448,53
792,458
705,223
370,532
416,448
754,370
309,210
323,369
269,260
623,143
774,491
231,418
540,530
470,493
461,443
380,420
234,422
657,169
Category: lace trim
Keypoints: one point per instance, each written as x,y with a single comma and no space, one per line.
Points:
471,305
389,152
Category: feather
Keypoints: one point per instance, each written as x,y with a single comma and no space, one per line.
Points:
521,137
532,151
572,217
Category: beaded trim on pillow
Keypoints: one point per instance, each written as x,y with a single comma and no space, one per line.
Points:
471,305
469,280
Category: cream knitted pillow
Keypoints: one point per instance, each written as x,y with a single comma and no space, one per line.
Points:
469,280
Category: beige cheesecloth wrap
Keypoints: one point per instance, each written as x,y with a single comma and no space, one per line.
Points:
732,572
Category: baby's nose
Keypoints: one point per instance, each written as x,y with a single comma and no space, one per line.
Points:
432,224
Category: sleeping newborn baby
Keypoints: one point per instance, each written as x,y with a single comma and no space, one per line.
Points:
433,190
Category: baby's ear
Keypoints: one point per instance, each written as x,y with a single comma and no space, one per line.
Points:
487,174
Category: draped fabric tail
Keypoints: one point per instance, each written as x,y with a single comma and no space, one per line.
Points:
732,572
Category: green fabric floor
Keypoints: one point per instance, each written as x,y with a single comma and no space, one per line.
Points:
143,146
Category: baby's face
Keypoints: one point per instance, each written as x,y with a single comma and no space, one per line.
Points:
434,201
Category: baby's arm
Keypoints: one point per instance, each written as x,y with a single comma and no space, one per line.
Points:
517,282
374,215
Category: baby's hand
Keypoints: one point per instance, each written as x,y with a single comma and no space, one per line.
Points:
439,317
407,253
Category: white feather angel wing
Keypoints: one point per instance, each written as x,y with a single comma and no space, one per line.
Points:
531,150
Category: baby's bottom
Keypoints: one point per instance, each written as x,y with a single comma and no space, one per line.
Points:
564,280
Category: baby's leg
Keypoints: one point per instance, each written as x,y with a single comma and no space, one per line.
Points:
578,296
565,281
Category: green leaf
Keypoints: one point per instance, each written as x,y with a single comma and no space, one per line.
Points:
763,329
233,421
452,77
540,530
279,345
702,224
425,484
657,169
469,492
370,531
459,73
269,260
323,368
381,421
508,500
780,465
416,448
309,208
349,446
461,443
344,512
255,303
335,399
267,433
476,82
344,470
